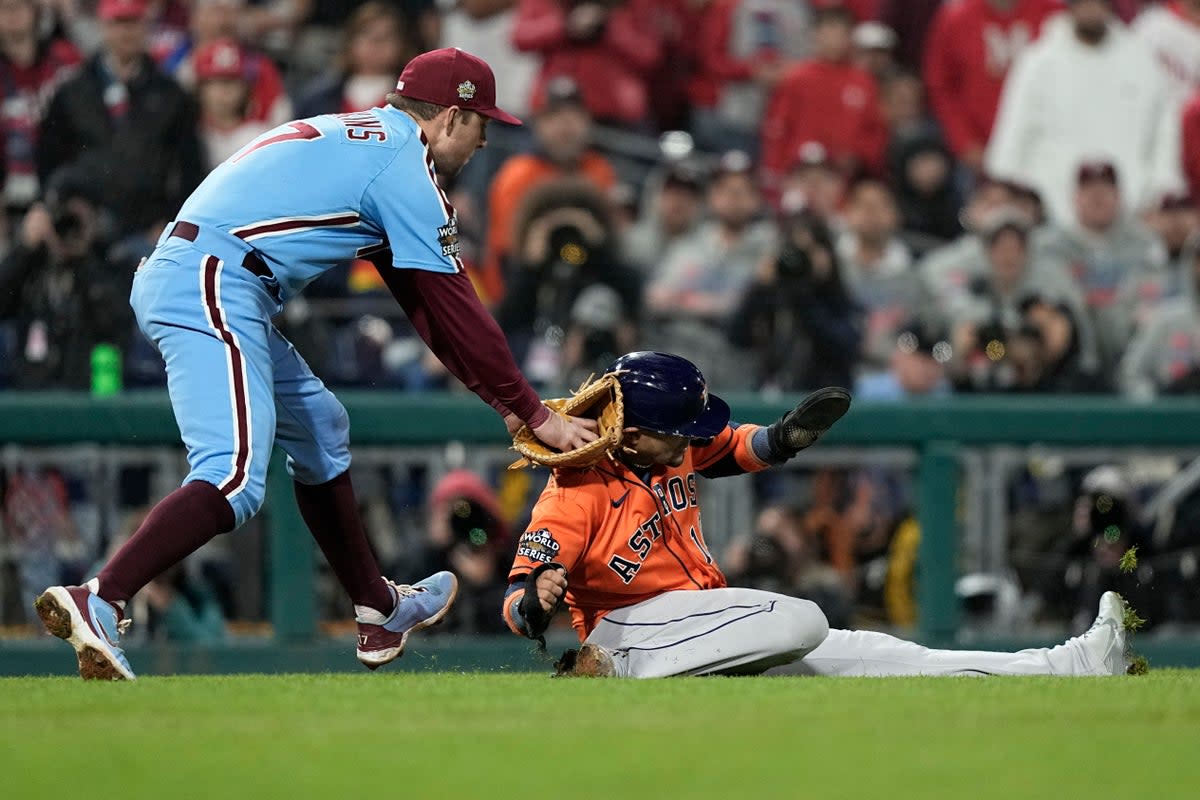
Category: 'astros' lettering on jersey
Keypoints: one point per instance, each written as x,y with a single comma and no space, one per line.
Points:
623,540
314,193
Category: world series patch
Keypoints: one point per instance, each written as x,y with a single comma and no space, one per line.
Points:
538,545
448,238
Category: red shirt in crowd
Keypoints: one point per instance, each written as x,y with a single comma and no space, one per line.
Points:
1191,144
611,68
967,55
716,66
835,104
26,93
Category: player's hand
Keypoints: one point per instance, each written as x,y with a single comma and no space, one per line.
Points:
550,587
513,423
566,433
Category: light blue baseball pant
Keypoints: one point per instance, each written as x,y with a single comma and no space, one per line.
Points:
236,384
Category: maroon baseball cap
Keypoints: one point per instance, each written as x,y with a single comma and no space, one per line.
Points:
121,9
1104,171
453,77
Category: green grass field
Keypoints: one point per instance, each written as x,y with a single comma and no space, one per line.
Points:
526,737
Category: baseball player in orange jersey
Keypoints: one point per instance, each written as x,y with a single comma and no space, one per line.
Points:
622,544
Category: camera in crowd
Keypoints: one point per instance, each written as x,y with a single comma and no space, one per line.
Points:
471,523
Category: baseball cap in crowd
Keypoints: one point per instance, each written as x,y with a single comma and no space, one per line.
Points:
1005,219
1176,201
812,154
110,10
873,35
684,175
733,162
453,77
1097,171
221,58
560,92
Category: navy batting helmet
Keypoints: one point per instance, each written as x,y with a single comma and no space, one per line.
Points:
665,393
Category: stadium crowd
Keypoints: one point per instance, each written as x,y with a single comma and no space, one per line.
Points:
909,198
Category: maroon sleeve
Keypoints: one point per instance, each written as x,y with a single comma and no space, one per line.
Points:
448,315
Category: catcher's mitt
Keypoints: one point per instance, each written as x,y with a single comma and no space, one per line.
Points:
598,399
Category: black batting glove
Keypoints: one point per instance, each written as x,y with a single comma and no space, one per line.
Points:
804,424
536,618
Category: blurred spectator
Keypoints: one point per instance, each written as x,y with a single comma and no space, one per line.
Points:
696,293
674,213
214,20
223,87
468,536
564,243
798,319
607,46
1086,90
599,330
826,100
677,23
946,272
1164,357
875,50
31,68
1172,31
926,193
1175,221
814,183
1021,326
59,289
1191,144
745,47
917,367
183,609
910,19
127,124
44,538
877,268
562,129
485,28
1102,250
902,103
1103,526
374,51
780,556
970,48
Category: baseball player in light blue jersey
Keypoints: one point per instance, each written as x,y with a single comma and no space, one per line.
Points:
295,202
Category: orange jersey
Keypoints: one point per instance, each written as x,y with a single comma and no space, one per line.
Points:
623,540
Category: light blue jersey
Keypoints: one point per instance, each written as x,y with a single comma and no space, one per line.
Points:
296,201
314,193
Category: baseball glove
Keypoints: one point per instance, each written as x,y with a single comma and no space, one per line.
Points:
598,399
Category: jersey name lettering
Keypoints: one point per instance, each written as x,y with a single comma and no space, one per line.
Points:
640,543
363,127
675,495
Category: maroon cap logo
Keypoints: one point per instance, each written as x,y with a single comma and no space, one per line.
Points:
453,77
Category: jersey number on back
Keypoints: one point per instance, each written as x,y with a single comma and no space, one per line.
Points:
300,131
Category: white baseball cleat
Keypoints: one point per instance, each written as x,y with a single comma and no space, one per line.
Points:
1101,648
90,625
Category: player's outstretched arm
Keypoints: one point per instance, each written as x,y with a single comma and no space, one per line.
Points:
750,448
447,314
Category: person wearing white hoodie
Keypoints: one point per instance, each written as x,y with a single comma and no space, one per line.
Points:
1087,90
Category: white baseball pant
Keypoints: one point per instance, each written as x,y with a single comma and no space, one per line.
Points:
747,632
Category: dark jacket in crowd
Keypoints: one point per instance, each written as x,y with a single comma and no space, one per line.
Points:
60,310
140,142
